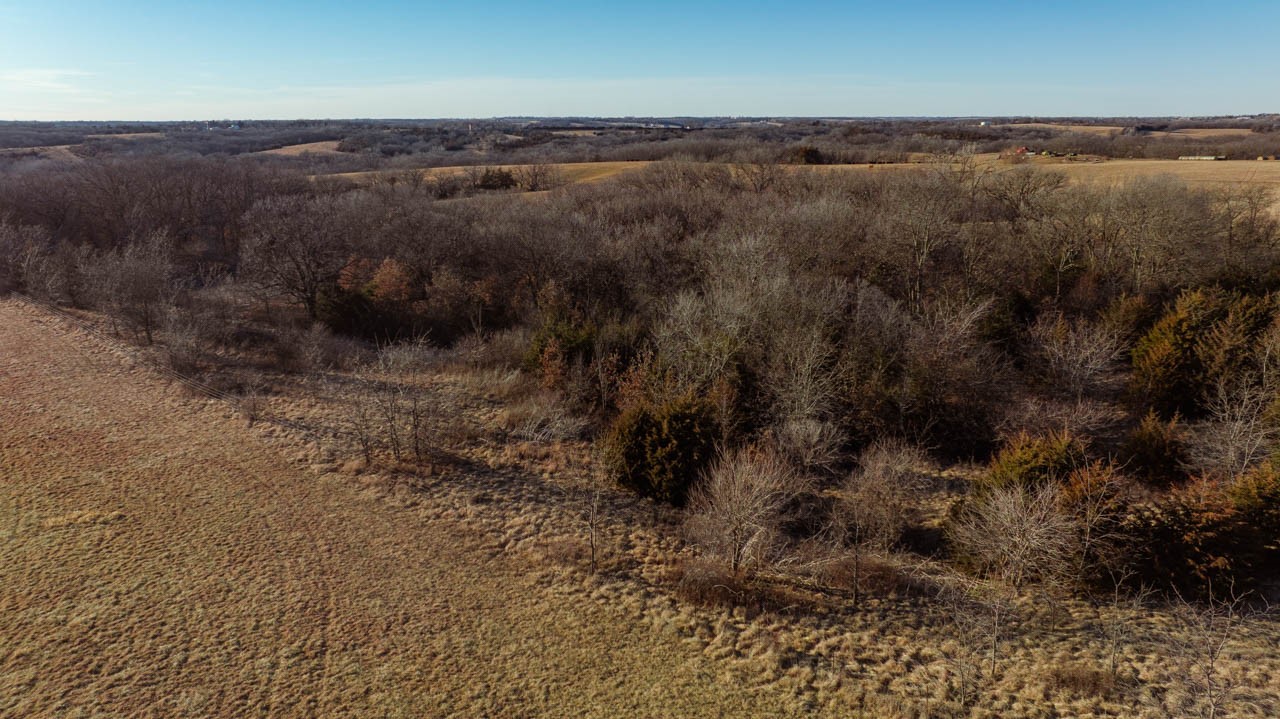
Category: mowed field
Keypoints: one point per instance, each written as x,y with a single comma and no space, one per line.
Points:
324,147
60,153
1199,133
158,558
1206,173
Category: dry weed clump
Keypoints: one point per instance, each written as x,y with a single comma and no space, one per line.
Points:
1081,680
252,407
542,417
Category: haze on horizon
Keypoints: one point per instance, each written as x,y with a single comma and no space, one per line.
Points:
147,60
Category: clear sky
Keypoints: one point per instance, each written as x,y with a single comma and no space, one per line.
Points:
149,60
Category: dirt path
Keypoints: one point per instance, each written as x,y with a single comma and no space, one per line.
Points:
158,559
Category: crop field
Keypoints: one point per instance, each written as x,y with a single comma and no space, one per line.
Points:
59,153
1086,129
1241,172
128,136
1199,133
324,147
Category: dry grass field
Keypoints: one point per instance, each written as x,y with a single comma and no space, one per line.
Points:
1199,133
572,172
1250,172
59,153
66,153
324,147
128,136
160,558
1086,129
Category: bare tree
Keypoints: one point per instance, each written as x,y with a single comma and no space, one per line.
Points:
1017,534
875,499
297,246
419,428
539,177
136,282
361,422
1238,432
391,415
981,617
1077,358
739,504
1207,630
1116,618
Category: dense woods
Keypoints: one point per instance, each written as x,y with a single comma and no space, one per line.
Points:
788,353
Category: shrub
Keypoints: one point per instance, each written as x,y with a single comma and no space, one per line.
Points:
709,583
1256,497
659,450
1095,497
876,498
1154,451
1031,461
1016,532
560,326
1206,338
496,178
1191,540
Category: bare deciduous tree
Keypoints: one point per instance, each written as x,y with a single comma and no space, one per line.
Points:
1078,358
136,282
1238,432
297,246
981,617
1207,629
738,505
1017,534
875,499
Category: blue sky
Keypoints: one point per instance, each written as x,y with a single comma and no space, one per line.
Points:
140,59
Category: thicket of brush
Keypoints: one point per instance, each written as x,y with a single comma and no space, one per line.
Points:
755,342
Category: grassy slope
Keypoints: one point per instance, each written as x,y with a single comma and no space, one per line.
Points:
157,559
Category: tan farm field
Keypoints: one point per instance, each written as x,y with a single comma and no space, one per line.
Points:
1204,173
59,153
324,147
1199,133
127,136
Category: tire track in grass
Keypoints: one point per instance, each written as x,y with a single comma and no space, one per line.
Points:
162,549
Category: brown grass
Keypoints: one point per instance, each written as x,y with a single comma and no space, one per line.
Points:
161,559
1086,129
1195,173
1202,133
1199,133
324,147
127,136
61,153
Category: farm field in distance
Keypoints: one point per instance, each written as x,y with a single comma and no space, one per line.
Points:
1202,174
